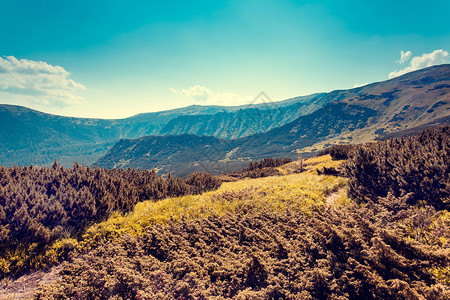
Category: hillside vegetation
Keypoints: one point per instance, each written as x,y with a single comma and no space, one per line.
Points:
41,205
296,236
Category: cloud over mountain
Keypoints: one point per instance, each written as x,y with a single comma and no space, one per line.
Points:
204,95
23,80
436,57
404,57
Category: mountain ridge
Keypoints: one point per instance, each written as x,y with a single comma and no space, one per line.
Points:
357,115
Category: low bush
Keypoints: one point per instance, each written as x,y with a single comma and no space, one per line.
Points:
338,152
264,168
331,254
417,166
40,205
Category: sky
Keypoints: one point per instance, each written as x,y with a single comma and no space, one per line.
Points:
114,59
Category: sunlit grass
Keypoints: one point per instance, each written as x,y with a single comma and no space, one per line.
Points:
301,192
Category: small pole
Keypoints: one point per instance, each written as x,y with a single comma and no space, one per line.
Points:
300,158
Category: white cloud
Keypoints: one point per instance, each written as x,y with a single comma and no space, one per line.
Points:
436,57
38,82
404,57
199,93
173,90
204,95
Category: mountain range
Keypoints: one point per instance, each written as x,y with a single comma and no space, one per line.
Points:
221,138
32,137
394,107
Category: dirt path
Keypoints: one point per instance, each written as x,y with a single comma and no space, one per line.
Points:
333,199
24,286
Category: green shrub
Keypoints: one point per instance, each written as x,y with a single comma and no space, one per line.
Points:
264,168
338,152
419,166
40,205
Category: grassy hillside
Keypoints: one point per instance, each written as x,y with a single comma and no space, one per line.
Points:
284,237
300,192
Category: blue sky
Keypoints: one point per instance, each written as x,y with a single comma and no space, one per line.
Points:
113,59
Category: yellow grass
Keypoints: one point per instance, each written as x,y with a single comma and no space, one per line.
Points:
301,192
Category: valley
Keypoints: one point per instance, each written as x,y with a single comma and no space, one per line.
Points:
31,137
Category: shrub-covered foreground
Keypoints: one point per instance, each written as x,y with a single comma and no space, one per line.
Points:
351,252
291,237
41,205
